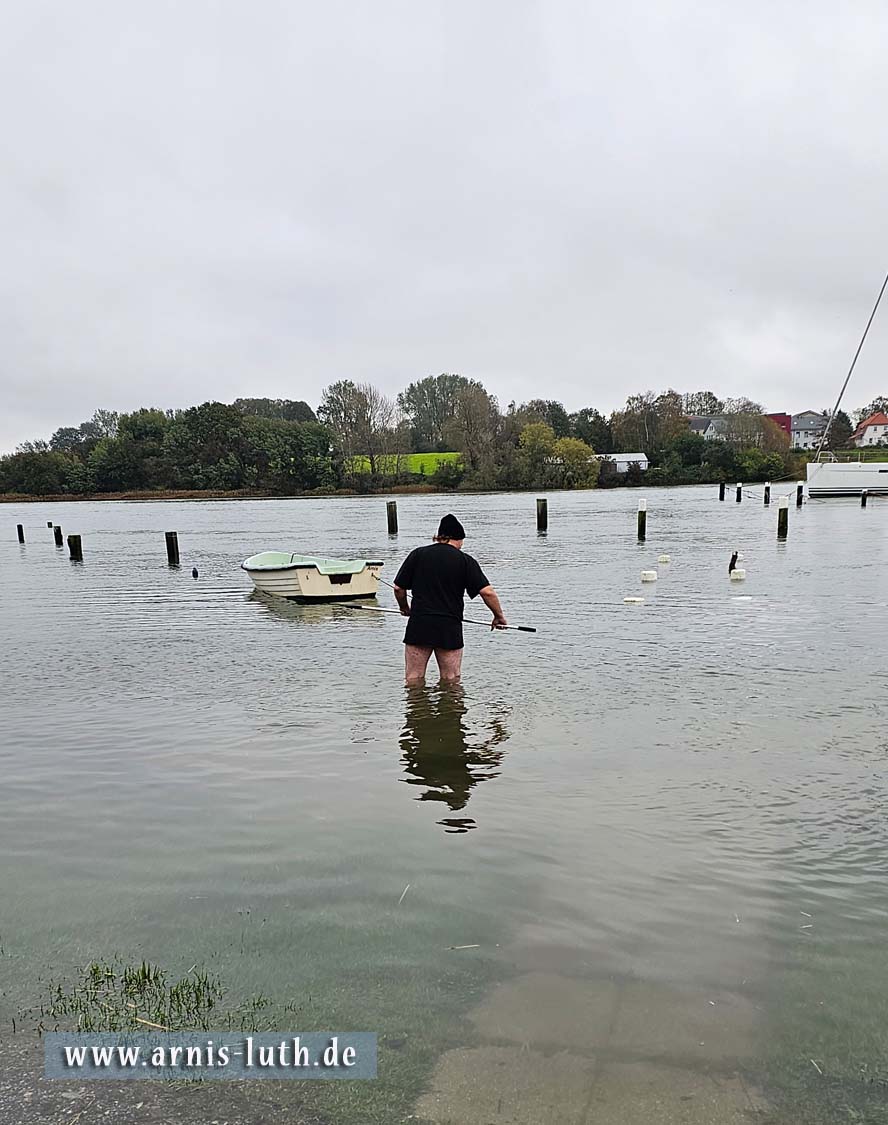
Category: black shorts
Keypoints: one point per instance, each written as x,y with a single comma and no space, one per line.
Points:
433,632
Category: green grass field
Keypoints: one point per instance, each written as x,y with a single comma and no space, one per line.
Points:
424,463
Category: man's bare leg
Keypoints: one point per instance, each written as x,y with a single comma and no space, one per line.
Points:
416,659
449,664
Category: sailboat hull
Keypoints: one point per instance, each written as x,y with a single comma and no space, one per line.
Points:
848,478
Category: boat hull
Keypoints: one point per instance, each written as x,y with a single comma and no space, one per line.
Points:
307,587
313,580
847,478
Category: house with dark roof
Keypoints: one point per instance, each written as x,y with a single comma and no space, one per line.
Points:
707,426
807,429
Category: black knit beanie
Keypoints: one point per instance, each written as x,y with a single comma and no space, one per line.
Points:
451,528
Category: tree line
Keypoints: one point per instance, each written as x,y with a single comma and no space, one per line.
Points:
360,439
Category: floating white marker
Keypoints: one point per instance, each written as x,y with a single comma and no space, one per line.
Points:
633,601
738,574
664,559
649,576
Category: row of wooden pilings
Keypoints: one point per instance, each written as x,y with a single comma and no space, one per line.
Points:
800,493
542,516
783,503
542,520
75,548
75,545
391,515
391,512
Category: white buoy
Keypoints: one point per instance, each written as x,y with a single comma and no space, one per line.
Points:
664,559
649,576
633,601
738,574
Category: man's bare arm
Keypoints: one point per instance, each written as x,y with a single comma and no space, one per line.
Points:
401,599
491,600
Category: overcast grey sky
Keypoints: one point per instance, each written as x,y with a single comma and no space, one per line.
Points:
568,200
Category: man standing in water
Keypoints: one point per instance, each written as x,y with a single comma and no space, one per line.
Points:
439,575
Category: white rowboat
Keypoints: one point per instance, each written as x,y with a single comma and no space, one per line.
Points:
307,579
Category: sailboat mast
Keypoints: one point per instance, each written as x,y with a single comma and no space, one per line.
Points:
851,369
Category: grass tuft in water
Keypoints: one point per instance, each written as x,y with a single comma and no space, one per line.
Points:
115,996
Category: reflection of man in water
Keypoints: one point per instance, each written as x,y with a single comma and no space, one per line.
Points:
443,754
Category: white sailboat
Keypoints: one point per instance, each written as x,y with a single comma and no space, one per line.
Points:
828,476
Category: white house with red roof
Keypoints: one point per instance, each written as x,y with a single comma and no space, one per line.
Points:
872,430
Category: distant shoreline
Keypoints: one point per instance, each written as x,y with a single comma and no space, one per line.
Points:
197,494
332,493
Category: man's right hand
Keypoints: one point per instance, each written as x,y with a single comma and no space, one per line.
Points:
492,602
405,610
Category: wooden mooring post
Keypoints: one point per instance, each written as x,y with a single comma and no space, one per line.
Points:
542,514
21,532
863,497
783,517
800,493
739,493
75,550
642,520
767,493
172,545
57,533
391,516
721,490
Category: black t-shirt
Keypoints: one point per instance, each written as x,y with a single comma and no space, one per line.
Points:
438,576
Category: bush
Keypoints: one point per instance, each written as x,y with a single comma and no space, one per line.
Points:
608,477
448,475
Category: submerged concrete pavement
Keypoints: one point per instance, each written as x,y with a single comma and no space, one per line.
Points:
574,1051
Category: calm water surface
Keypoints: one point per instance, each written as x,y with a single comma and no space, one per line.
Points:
666,806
